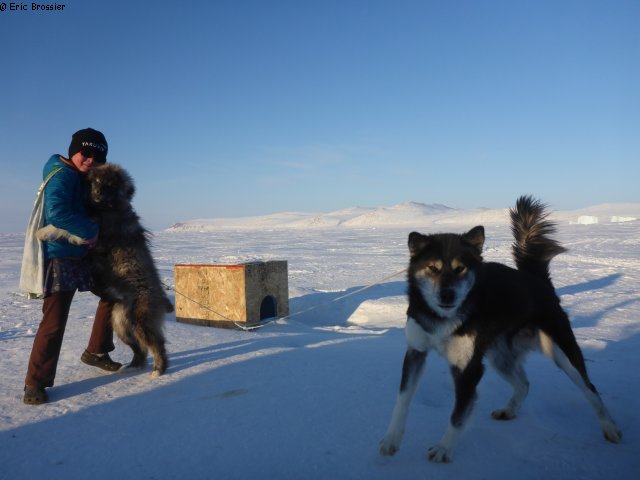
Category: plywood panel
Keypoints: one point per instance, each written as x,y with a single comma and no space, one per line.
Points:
210,292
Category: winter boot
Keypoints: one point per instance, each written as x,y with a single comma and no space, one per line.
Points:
101,361
34,395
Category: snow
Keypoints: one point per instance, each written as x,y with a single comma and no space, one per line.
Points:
311,396
587,220
618,219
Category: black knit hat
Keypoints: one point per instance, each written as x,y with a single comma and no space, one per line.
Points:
92,140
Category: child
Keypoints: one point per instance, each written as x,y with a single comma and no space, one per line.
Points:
66,268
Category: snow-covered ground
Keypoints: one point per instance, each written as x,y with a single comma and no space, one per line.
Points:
310,397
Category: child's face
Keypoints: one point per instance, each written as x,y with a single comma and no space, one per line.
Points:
84,160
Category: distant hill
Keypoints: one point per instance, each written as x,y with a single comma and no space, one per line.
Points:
409,214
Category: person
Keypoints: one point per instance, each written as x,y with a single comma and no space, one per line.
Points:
66,267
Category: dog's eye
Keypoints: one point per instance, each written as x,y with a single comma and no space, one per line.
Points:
433,269
460,270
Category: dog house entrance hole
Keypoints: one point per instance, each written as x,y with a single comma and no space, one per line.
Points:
268,308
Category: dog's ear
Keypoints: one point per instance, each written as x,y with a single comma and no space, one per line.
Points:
417,243
128,187
475,238
131,190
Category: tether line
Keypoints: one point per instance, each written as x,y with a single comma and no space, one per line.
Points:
291,315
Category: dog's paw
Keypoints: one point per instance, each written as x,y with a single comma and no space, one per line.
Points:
439,454
612,433
157,371
503,414
389,445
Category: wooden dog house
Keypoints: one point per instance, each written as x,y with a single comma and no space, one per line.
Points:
219,295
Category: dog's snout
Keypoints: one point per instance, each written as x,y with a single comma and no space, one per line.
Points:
447,296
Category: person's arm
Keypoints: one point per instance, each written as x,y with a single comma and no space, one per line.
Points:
60,195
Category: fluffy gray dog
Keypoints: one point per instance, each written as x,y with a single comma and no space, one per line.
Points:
122,266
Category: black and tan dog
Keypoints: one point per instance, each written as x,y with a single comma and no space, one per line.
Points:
466,310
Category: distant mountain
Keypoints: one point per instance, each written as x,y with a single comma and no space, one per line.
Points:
276,220
409,214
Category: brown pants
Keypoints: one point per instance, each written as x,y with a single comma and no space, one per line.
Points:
48,342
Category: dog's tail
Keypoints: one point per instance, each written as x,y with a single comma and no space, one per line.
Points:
533,247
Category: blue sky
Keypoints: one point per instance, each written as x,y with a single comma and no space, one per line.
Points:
234,108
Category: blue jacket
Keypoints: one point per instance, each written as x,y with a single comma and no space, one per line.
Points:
64,198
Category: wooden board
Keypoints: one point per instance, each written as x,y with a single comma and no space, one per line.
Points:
210,292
